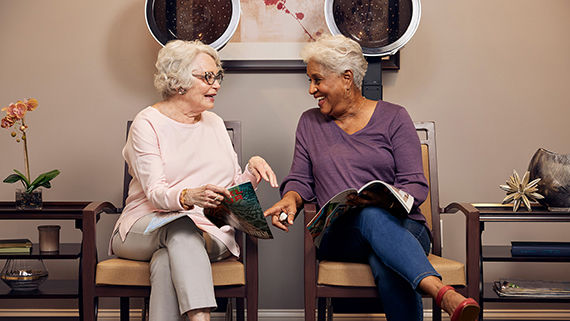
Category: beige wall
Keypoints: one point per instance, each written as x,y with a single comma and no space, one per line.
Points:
494,76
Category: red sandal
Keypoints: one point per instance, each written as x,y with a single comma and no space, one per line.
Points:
468,310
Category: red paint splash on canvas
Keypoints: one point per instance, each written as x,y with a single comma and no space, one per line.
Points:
298,16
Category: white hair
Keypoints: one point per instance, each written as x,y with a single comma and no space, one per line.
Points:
175,63
337,54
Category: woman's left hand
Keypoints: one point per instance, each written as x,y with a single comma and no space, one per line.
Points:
369,199
261,169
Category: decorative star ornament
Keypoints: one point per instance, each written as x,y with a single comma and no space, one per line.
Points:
521,191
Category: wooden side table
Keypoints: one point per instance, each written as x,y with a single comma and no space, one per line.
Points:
492,213
84,214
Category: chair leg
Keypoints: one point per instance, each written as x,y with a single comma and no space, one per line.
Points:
329,309
89,307
229,310
252,308
124,308
436,312
240,311
145,308
322,309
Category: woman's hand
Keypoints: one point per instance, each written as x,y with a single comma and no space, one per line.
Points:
261,169
288,205
368,198
207,196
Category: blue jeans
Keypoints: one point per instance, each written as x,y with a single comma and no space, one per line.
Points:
396,251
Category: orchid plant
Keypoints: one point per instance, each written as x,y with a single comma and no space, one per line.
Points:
15,117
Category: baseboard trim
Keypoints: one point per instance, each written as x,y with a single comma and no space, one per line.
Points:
295,314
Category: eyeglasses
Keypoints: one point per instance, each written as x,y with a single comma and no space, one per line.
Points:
210,77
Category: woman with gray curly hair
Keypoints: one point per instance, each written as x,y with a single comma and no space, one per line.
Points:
344,143
182,161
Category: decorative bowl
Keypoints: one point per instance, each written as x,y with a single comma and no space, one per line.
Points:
24,274
554,171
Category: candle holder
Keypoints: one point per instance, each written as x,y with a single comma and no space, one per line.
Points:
49,238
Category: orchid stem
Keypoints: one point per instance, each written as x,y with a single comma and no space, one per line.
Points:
25,139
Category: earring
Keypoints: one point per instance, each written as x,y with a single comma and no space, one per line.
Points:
182,91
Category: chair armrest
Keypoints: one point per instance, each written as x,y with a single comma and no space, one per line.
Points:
472,244
89,242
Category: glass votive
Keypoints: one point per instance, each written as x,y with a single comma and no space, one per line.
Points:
49,238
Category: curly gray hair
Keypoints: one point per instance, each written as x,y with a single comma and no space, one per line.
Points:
337,54
175,63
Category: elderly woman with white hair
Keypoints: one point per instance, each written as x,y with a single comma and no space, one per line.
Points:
346,142
181,159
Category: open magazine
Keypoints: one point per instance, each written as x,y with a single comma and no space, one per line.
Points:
532,288
401,204
242,211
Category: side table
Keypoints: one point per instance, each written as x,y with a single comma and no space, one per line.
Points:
82,213
493,213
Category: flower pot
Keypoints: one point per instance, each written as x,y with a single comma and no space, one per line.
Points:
28,201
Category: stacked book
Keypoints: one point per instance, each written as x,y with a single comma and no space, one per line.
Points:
540,248
15,246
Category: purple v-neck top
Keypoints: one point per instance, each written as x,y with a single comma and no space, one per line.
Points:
327,160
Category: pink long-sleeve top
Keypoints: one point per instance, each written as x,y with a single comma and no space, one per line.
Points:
165,156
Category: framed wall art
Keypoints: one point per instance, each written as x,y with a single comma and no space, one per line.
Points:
271,34
268,38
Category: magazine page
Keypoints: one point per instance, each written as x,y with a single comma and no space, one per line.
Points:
242,211
327,214
162,219
403,198
337,206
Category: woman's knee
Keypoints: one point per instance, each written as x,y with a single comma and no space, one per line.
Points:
376,218
183,231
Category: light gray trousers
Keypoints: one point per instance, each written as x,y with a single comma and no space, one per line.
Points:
180,272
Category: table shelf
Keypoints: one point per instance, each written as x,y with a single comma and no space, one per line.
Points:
50,289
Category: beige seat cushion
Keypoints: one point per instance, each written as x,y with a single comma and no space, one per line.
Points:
128,272
359,274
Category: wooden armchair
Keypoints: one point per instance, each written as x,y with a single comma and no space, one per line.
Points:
327,279
233,278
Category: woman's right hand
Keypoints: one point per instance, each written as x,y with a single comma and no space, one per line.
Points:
288,205
207,196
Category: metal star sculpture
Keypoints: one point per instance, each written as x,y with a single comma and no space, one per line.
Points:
521,191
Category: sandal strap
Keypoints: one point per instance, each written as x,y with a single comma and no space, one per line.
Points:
441,293
468,303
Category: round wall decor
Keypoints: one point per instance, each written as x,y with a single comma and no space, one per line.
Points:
381,27
211,21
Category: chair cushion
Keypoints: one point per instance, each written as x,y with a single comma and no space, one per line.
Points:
360,274
129,272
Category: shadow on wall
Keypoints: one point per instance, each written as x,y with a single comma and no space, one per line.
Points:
131,50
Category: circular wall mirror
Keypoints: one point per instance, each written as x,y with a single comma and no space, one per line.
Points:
211,21
381,27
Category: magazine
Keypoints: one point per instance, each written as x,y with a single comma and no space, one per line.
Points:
401,204
242,211
524,288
